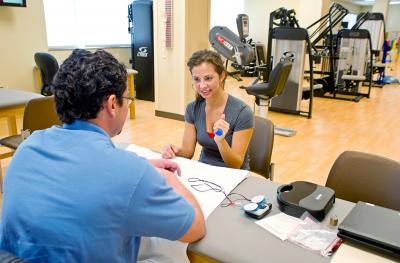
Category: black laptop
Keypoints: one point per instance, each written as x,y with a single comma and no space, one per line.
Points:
374,226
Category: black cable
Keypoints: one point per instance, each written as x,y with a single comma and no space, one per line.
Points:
233,201
200,183
211,186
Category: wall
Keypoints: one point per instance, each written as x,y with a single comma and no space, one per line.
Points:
224,13
307,12
190,32
393,21
21,38
169,83
196,29
381,6
392,17
173,82
121,54
355,9
366,8
258,12
23,33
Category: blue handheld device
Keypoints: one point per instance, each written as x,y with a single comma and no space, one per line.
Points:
218,132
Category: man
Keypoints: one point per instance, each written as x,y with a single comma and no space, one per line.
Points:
71,196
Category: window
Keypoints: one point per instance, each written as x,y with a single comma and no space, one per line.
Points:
224,13
351,19
86,23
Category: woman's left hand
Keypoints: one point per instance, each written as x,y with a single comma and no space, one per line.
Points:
223,126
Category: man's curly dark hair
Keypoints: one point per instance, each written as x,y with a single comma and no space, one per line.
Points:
84,81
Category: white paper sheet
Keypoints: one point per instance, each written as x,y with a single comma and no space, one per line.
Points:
144,152
281,225
227,178
156,249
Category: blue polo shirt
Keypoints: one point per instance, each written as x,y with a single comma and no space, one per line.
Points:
71,196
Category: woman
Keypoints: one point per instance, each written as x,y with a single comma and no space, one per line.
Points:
219,122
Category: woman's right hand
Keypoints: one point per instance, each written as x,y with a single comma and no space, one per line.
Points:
169,151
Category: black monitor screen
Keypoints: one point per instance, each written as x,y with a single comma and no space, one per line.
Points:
18,3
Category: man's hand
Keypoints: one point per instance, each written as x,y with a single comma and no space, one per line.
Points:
166,165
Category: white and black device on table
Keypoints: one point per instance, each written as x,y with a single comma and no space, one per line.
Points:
258,207
298,197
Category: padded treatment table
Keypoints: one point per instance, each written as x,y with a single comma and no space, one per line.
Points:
12,103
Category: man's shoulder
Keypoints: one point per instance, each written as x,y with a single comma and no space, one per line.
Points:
85,144
36,139
125,156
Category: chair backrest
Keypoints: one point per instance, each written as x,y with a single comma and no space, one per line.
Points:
40,113
278,78
357,176
261,146
48,66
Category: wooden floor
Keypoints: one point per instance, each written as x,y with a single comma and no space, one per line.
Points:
372,125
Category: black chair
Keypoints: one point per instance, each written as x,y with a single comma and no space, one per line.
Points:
277,81
357,176
261,146
48,67
264,91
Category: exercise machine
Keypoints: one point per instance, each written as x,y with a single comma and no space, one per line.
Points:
242,23
353,67
342,58
323,47
323,27
287,41
140,17
230,46
375,24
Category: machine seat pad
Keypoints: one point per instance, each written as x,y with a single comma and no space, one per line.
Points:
262,90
